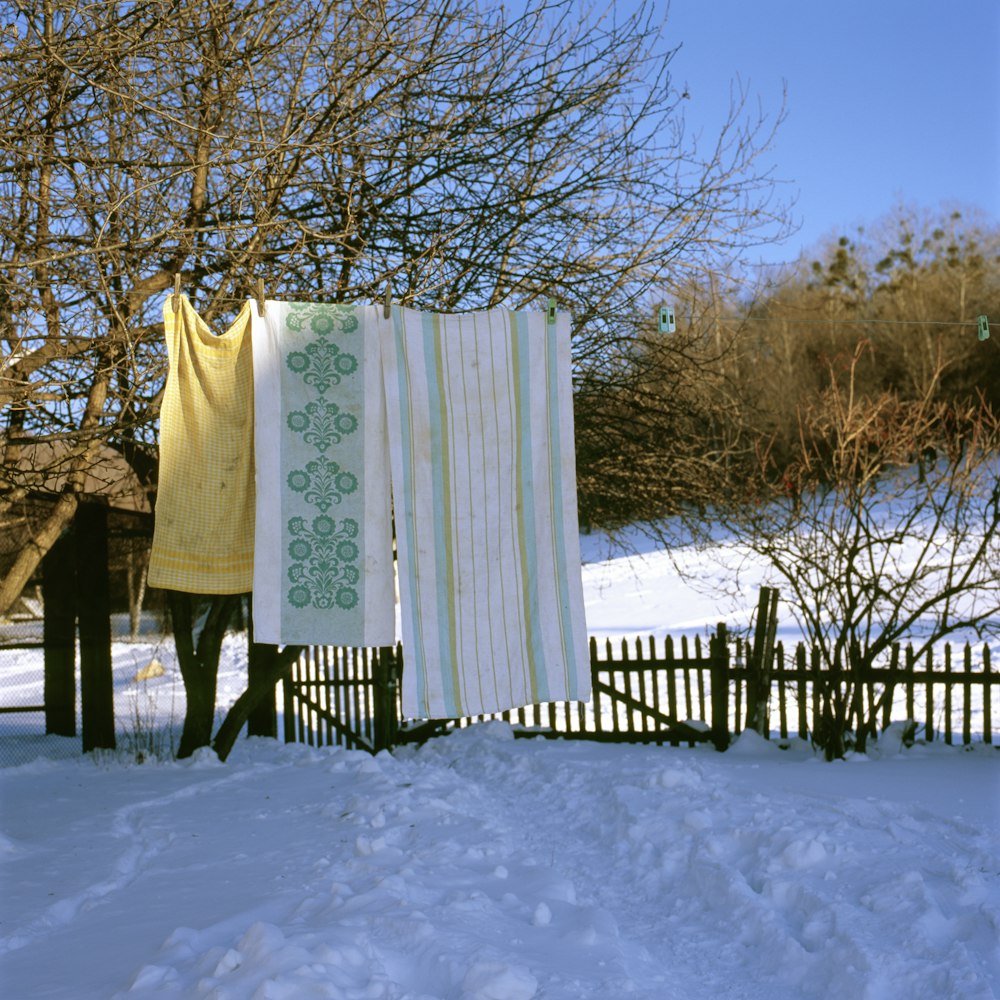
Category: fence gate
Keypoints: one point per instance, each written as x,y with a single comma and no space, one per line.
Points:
646,696
344,697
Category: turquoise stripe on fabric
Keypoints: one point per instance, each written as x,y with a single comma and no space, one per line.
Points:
405,521
558,506
469,571
503,457
441,449
521,340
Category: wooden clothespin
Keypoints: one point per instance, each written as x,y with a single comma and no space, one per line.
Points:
387,302
552,307
984,328
175,299
260,296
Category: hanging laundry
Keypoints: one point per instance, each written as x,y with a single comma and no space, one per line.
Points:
484,482
323,568
203,534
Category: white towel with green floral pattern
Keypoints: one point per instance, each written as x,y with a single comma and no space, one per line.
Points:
323,543
480,409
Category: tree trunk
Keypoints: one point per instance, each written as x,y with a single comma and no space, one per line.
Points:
270,671
199,662
65,507
35,548
136,568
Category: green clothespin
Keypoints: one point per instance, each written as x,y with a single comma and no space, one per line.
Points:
667,322
552,310
984,328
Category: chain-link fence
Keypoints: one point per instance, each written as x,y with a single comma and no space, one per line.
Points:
147,691
42,706
22,692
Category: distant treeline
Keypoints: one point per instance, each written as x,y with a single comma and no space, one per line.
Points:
745,390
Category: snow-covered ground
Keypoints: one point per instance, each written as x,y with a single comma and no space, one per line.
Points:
483,867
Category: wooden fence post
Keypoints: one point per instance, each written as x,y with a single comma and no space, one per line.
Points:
261,660
94,608
987,695
290,705
385,680
59,636
719,665
263,718
802,690
596,696
967,696
759,662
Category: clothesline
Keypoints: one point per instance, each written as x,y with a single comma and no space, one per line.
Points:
729,321
316,295
852,322
663,315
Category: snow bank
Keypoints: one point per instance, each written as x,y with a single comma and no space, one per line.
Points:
481,867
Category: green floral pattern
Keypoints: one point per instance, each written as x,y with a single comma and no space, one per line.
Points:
321,319
324,570
322,364
324,553
322,483
322,424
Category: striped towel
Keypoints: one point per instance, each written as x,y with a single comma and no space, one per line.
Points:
484,481
323,572
203,535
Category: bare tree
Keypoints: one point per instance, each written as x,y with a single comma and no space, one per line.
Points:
872,547
909,285
668,434
331,147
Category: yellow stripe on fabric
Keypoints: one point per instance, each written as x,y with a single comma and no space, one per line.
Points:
555,525
223,576
498,341
466,569
449,371
407,547
446,581
525,517
182,558
512,600
480,340
480,571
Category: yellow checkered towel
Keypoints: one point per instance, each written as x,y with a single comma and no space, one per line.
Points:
203,540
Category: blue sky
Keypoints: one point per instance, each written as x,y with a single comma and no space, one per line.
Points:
888,101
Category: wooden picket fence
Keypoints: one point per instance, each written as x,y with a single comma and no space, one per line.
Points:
343,696
676,691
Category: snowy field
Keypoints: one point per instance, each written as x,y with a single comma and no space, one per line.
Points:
480,867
